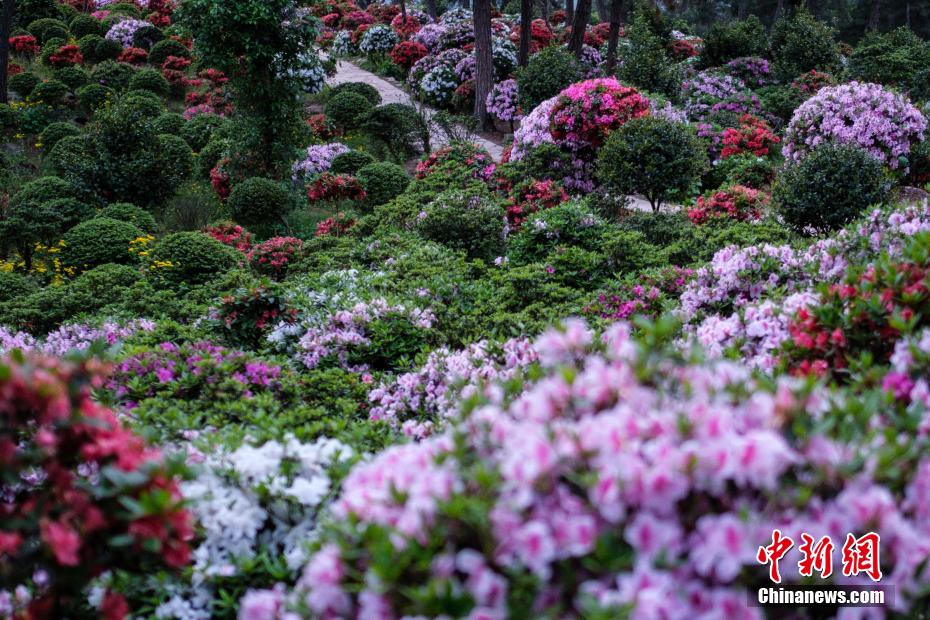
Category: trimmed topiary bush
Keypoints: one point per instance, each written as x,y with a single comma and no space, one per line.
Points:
151,80
829,188
115,75
46,29
14,285
55,132
546,75
192,258
49,92
470,220
147,36
382,182
348,109
258,201
84,24
72,77
94,96
169,123
895,58
726,41
99,241
652,156
167,47
801,43
23,83
398,126
367,91
198,131
126,212
350,162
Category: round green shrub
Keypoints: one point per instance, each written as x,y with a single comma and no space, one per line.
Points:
801,43
147,36
145,103
192,258
7,120
469,220
382,182
49,92
125,8
28,11
893,58
652,156
167,47
175,159
348,109
210,155
88,46
398,126
106,283
829,188
367,91
151,80
169,123
107,49
15,285
780,101
84,24
570,224
52,134
41,190
546,75
94,96
257,201
726,41
48,28
126,212
350,162
97,242
72,77
23,83
198,131
115,75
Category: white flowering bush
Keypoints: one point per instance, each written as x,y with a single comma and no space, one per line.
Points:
379,39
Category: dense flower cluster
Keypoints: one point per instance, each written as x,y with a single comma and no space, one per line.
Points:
332,187
753,135
503,101
66,56
272,256
24,44
879,121
752,71
79,493
232,235
246,316
584,113
336,225
407,53
122,32
318,159
379,39
532,196
710,92
735,202
72,337
456,156
649,295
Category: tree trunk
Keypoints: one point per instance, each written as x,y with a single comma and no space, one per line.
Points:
569,11
6,25
579,25
526,29
403,12
613,35
603,14
874,16
483,68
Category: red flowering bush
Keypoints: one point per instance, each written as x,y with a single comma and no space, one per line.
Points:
354,19
246,316
406,53
232,235
557,17
66,56
586,112
383,13
462,157
405,28
735,202
24,44
273,256
331,20
176,63
813,81
683,49
335,226
133,56
321,126
540,35
533,196
13,69
220,179
753,135
81,493
331,187
859,322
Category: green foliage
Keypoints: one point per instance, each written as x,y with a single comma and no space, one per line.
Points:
348,109
198,131
23,83
210,155
72,77
780,101
55,132
192,258
829,188
734,39
125,212
115,75
48,28
367,91
29,11
468,220
97,242
84,24
743,169
652,156
350,162
170,123
147,36
15,285
50,92
398,126
546,75
570,224
893,58
382,181
258,201
167,47
646,63
94,96
151,80
801,43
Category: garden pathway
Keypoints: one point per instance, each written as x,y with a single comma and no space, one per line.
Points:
391,93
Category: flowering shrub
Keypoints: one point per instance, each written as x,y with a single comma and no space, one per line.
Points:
584,113
439,85
254,501
379,39
735,202
592,472
133,56
648,295
429,36
811,82
708,93
232,235
371,335
462,157
335,226
534,130
503,101
66,56
122,32
322,127
332,187
532,196
72,337
343,45
246,316
24,44
318,159
405,28
753,136
407,53
272,257
881,122
754,72
81,494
